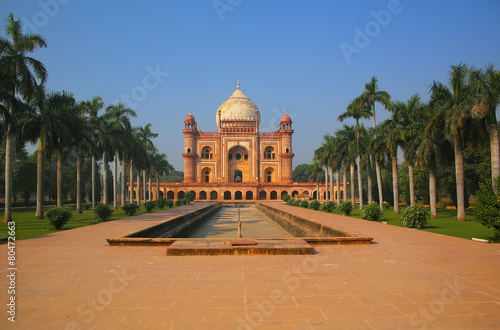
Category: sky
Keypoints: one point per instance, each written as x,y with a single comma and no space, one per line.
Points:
167,58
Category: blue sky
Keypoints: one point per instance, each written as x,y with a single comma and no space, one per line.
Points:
308,57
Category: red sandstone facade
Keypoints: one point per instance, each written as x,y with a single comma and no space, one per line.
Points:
237,162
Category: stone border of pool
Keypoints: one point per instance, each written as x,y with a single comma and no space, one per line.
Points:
307,232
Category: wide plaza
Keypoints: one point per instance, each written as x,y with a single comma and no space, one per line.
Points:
405,279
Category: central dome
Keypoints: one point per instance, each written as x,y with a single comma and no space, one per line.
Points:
237,107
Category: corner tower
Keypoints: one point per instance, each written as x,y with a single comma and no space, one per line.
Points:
190,131
286,153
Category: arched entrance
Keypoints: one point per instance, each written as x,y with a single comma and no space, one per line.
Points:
274,195
283,193
170,194
227,195
249,195
295,193
213,195
262,195
203,195
160,194
238,195
180,194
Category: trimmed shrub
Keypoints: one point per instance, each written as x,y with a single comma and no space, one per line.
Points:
303,203
149,206
189,197
286,198
130,209
86,207
415,216
290,202
161,203
328,206
179,202
103,212
314,205
371,212
58,216
487,208
169,203
345,207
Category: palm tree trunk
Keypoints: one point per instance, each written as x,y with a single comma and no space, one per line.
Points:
338,187
93,183
360,184
432,191
326,183
352,186
59,181
344,177
9,174
369,181
379,184
317,190
115,180
138,187
459,172
144,184
412,185
377,169
131,199
124,172
332,196
157,185
495,153
395,184
105,179
39,181
150,191
78,184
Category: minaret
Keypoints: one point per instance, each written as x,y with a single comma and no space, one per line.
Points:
286,152
190,131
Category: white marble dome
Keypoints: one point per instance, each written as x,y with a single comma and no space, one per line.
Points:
237,107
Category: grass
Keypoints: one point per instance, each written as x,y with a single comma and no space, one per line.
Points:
445,224
27,226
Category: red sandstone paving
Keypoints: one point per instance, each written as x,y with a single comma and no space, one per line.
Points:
406,279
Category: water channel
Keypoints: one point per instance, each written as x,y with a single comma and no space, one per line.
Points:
224,224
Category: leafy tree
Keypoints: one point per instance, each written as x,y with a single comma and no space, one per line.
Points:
487,209
301,173
24,171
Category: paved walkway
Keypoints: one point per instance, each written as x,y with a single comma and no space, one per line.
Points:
406,279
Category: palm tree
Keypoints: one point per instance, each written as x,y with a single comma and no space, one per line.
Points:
412,125
485,108
365,145
118,117
358,109
347,151
145,136
433,145
316,175
373,95
20,73
160,166
392,130
44,126
455,106
70,134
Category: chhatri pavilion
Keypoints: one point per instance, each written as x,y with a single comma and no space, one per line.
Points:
238,162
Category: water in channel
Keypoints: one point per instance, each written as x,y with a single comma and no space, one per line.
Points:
224,224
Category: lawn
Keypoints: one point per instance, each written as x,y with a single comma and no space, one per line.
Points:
446,224
27,226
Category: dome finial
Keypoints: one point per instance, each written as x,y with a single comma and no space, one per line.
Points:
238,84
